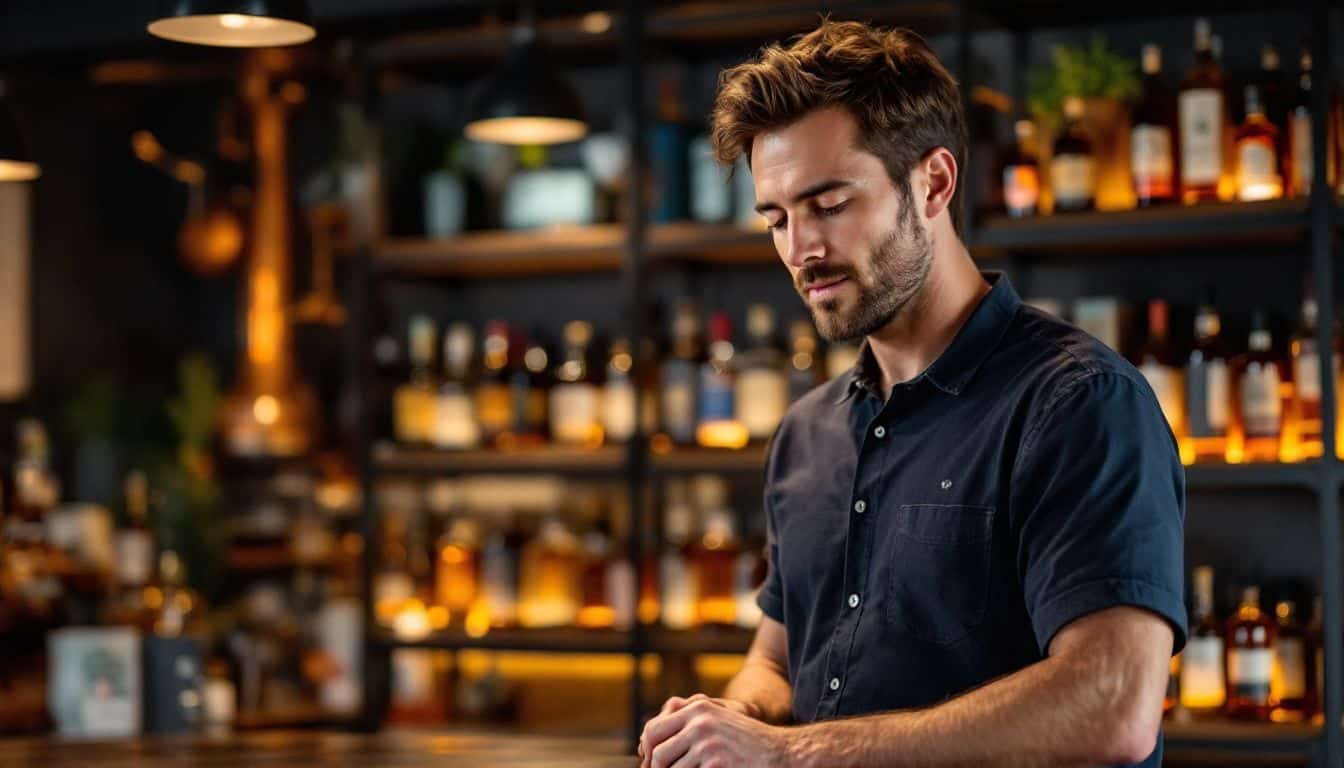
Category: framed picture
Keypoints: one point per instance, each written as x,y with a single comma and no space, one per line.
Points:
95,682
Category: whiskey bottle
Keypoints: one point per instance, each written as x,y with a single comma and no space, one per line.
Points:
1203,686
550,578
574,406
1250,638
717,425
176,605
761,393
1300,165
805,362
531,386
618,394
454,425
748,576
457,569
413,406
393,585
1021,173
1307,380
495,406
1208,392
36,492
596,607
1289,679
1258,394
680,385
1257,153
135,554
676,583
500,566
1073,176
1151,162
1160,366
713,556
1202,117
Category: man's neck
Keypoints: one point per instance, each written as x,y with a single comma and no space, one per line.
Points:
925,327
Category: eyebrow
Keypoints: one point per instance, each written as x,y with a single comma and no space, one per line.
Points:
820,188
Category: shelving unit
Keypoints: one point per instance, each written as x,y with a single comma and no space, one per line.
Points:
636,248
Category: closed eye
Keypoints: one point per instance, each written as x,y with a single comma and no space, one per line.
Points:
833,210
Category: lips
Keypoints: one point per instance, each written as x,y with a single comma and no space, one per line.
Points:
824,288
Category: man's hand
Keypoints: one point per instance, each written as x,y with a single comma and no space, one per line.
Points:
704,731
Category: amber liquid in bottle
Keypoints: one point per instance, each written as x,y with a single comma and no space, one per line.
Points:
1162,369
413,402
1258,175
1203,676
457,570
1021,173
494,400
1291,675
1207,386
1202,113
1250,660
1073,168
713,558
1152,163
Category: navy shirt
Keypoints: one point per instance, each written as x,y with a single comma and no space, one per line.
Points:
933,541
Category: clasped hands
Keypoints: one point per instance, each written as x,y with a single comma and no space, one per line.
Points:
705,732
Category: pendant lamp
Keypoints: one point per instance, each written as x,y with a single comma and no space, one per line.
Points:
235,23
526,101
16,164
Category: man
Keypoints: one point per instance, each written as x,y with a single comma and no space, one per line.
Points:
976,535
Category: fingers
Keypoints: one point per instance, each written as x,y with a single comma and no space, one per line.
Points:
664,726
676,751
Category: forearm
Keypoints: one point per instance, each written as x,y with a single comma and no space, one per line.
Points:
1064,711
763,685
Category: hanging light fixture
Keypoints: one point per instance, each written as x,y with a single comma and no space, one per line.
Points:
15,162
235,23
526,101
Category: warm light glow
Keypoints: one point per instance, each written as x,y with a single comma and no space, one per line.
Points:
153,597
527,130
717,610
718,666
265,322
438,617
478,620
232,30
549,666
595,23
1187,450
1260,191
13,170
266,410
412,621
722,434
596,617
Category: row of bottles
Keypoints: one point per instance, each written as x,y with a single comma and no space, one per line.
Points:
563,568
1185,146
1250,665
704,391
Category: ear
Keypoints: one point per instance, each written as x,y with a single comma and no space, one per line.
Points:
936,182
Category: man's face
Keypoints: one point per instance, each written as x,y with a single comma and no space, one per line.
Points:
855,248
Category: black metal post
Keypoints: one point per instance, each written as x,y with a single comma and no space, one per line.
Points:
632,53
964,58
1322,231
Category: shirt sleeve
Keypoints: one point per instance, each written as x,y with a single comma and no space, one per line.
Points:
770,598
1098,503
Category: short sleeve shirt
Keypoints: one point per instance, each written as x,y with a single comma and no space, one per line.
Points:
928,542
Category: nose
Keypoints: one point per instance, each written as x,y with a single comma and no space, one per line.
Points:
802,243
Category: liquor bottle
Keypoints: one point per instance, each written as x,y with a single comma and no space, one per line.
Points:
36,491
804,363
1257,153
1289,680
1162,368
457,569
668,153
1203,684
761,394
414,400
618,394
1151,161
135,553
1273,94
393,585
549,582
1202,114
1300,165
1260,403
176,605
681,371
1208,390
649,607
1173,694
621,582
1073,167
717,425
530,383
713,556
676,584
1021,173
454,424
596,609
1307,380
574,407
500,567
1250,638
749,572
494,397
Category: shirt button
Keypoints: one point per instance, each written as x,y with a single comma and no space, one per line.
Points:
860,506
880,432
853,601
835,683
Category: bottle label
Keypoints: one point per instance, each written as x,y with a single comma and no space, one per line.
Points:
1150,157
1249,671
1169,386
454,424
618,410
1202,684
1299,138
1201,125
716,398
413,411
494,408
678,592
762,398
1290,669
1261,408
1307,377
1021,189
1257,171
1207,400
135,557
574,413
1073,180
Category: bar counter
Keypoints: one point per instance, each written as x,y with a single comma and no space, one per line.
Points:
278,749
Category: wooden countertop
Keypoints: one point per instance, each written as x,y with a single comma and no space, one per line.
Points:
282,749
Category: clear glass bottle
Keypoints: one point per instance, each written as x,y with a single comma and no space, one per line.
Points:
1202,117
1250,638
454,425
1152,164
1073,165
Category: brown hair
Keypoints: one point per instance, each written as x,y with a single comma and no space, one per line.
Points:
902,97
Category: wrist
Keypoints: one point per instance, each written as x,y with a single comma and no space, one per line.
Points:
794,748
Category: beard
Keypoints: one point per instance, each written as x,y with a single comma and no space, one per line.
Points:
897,268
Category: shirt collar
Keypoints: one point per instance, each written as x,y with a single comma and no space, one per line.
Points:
957,365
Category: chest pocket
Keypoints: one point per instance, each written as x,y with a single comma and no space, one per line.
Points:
938,575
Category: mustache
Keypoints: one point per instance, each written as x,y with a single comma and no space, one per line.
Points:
819,273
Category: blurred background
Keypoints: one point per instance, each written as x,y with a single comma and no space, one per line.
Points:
415,365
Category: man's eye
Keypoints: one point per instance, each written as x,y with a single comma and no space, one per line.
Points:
833,210
776,226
